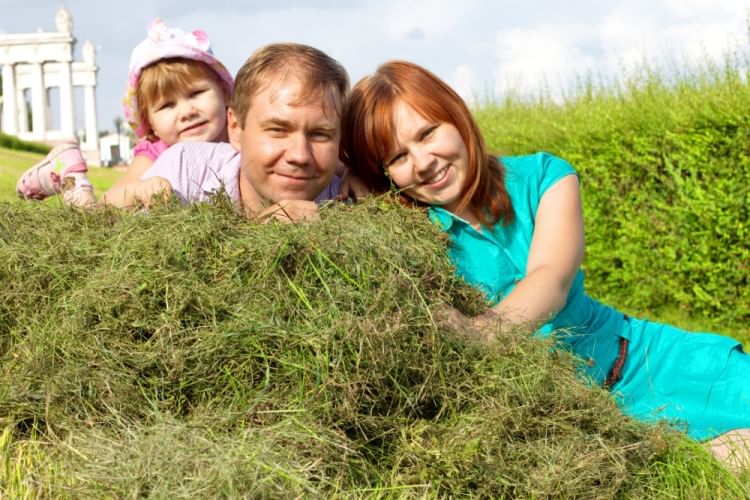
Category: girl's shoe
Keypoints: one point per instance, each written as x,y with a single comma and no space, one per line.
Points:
43,180
77,191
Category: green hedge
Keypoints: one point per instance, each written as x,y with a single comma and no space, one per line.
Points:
665,172
12,142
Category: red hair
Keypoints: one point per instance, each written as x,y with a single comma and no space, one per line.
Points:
368,135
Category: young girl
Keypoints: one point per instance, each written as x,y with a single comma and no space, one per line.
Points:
516,232
177,91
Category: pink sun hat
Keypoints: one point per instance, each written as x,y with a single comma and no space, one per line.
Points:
166,43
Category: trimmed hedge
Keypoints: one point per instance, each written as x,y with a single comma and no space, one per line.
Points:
665,176
12,142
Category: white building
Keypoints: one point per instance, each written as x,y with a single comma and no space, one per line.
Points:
115,149
34,63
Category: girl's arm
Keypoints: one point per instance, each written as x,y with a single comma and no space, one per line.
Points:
120,195
556,254
143,193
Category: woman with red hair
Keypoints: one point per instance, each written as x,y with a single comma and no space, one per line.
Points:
516,231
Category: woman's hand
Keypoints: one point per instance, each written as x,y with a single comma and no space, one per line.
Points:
490,324
483,328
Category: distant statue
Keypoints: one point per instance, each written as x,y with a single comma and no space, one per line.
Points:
89,52
64,21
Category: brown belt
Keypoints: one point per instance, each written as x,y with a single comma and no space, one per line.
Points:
615,373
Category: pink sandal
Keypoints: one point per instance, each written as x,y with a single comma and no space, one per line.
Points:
43,180
79,194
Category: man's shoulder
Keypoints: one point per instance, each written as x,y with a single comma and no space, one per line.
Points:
209,149
194,169
331,191
197,158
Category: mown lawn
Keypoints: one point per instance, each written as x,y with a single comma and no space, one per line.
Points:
190,353
13,163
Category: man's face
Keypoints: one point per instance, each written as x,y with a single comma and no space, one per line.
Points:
288,151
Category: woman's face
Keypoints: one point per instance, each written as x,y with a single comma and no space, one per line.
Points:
429,161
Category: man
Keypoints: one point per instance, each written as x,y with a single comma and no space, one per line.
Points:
284,129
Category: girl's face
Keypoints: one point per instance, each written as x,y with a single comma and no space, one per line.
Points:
195,114
430,159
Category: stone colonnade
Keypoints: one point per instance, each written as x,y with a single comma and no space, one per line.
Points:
37,62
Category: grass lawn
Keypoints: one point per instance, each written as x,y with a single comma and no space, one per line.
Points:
13,163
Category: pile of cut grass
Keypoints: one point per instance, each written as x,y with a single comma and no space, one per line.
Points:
187,352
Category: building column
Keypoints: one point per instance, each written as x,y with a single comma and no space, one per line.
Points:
22,113
89,103
38,102
67,110
10,109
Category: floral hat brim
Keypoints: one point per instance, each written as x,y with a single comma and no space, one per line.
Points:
166,43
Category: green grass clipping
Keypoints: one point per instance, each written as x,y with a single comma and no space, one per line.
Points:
188,352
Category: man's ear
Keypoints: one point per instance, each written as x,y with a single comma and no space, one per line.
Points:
234,129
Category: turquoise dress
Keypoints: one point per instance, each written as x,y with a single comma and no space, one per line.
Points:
698,382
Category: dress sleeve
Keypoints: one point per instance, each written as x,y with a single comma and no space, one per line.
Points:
529,177
552,170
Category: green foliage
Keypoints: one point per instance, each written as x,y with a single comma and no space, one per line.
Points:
665,180
12,142
190,353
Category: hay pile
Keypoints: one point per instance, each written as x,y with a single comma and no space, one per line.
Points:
188,352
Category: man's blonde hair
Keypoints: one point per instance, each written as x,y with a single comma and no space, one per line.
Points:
321,76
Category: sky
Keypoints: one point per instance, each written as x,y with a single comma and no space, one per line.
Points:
483,48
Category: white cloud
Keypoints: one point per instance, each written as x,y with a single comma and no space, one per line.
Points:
431,18
691,8
657,31
462,81
527,60
477,46
681,33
